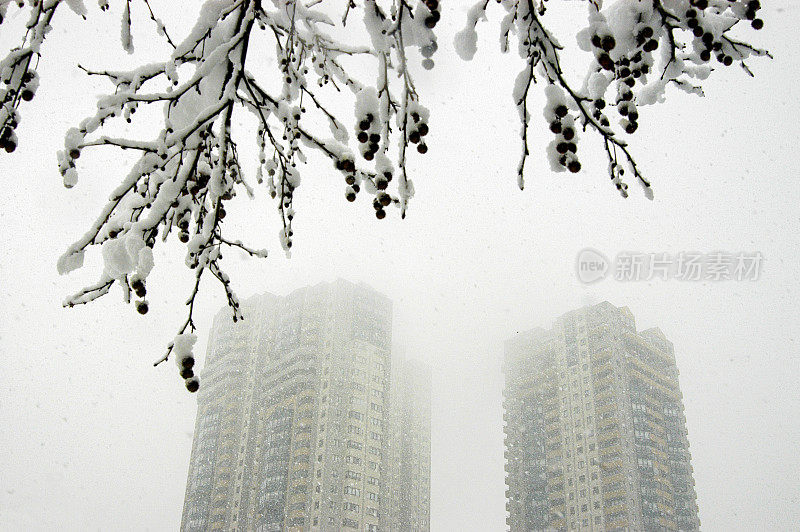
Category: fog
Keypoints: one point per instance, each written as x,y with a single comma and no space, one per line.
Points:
94,437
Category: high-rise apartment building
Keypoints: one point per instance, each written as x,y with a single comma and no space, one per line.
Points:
596,436
294,422
410,447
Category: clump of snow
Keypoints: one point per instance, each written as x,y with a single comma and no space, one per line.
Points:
466,43
125,255
182,347
125,31
70,262
77,6
466,40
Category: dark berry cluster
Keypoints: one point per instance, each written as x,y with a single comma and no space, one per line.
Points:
137,285
185,367
15,89
563,127
598,114
382,199
418,130
629,70
8,138
432,19
644,38
752,10
348,167
602,48
183,226
708,43
368,134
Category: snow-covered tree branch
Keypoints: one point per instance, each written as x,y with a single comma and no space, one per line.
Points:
328,52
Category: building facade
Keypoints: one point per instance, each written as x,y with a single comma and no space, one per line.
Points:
409,486
595,430
294,421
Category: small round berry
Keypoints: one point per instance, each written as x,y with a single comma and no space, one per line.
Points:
141,307
192,384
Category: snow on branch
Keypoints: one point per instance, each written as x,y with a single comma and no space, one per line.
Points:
187,171
638,48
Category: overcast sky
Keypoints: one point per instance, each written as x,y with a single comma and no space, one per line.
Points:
93,437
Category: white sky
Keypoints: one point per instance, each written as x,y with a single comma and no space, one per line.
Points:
93,437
